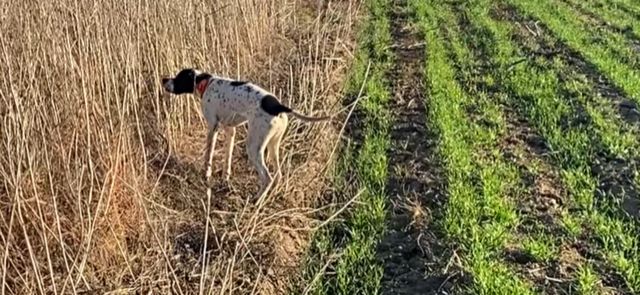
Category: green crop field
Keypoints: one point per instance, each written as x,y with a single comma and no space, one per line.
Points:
530,144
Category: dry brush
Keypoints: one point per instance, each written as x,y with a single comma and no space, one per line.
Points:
101,183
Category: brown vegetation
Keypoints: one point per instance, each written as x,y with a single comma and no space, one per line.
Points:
101,175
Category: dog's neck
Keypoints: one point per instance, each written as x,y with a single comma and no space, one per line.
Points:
202,81
201,86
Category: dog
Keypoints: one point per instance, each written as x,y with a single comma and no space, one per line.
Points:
226,104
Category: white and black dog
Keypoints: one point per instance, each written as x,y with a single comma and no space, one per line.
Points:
228,103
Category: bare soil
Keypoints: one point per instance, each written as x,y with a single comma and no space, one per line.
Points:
539,206
413,250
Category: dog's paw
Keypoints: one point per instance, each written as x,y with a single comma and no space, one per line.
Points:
208,172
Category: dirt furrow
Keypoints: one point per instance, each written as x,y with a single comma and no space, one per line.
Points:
413,249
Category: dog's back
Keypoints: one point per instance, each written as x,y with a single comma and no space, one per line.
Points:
226,97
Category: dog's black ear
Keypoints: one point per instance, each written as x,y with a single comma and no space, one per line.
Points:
202,76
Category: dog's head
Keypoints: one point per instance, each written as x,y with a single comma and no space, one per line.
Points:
185,81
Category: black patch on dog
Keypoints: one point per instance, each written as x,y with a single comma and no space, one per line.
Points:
272,106
238,83
186,81
248,89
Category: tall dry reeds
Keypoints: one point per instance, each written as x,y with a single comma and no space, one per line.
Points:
101,185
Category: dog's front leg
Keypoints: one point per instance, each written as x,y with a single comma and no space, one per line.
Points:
212,137
231,132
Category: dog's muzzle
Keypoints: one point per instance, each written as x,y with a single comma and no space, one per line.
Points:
167,84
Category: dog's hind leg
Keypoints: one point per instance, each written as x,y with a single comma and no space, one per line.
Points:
256,153
231,132
274,152
274,146
257,140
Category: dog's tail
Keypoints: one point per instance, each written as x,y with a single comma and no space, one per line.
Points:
307,118
272,106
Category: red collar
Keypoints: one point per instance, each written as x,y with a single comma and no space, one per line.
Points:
202,86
